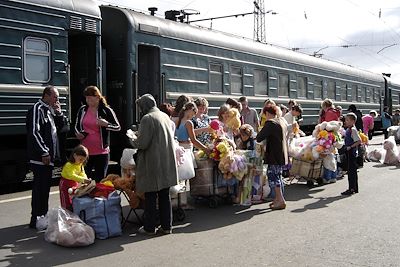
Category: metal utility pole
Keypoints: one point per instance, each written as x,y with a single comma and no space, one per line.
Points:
259,21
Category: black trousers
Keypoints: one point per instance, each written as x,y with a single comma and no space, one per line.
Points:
352,170
40,189
385,133
150,210
96,167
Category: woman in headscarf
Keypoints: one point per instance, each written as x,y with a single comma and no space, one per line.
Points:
156,168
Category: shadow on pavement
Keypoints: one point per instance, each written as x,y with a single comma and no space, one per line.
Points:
28,248
381,165
22,246
320,203
296,192
217,218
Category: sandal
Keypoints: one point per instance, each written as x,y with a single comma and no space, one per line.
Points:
279,207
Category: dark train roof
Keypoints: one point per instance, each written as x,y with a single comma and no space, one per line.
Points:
84,7
196,34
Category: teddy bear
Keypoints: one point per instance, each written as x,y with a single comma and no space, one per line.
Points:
391,156
233,121
127,185
238,167
225,166
375,155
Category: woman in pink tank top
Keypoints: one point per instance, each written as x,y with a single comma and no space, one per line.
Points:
93,123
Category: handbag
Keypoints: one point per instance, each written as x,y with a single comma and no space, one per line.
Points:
186,169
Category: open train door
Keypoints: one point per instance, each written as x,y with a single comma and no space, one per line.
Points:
148,78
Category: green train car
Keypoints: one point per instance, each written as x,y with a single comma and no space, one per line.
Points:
75,43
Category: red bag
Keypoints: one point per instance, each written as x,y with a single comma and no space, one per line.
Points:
102,190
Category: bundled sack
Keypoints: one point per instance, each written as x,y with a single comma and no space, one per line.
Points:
391,153
67,229
103,214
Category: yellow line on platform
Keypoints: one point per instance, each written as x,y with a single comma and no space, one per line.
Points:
22,198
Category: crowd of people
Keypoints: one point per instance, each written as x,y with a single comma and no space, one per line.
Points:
186,122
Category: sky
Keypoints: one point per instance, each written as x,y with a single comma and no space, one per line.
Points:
361,33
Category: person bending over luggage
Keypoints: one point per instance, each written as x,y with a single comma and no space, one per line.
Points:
156,169
72,174
245,139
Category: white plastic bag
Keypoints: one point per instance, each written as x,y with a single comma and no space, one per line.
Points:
186,169
67,229
127,161
42,222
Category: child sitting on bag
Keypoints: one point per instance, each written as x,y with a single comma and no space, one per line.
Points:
73,174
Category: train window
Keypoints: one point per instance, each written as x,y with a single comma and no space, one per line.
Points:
216,77
318,89
302,87
36,59
331,90
343,92
368,95
260,82
376,96
236,80
363,93
283,85
354,93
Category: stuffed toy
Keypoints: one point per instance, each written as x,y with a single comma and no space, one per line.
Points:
218,131
127,185
307,154
392,153
364,138
375,155
220,149
238,167
233,121
328,138
225,166
333,126
329,162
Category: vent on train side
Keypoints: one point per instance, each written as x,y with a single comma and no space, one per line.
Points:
75,23
90,25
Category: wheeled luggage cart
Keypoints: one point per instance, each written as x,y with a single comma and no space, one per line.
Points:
205,185
311,171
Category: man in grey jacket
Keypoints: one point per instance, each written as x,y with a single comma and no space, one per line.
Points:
156,168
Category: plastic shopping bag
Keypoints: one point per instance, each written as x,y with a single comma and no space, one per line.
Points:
186,169
42,222
67,229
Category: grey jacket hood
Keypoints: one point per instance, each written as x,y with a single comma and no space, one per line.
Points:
145,103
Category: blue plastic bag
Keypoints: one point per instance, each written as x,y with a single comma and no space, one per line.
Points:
103,215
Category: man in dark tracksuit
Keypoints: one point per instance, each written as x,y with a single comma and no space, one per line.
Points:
43,121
